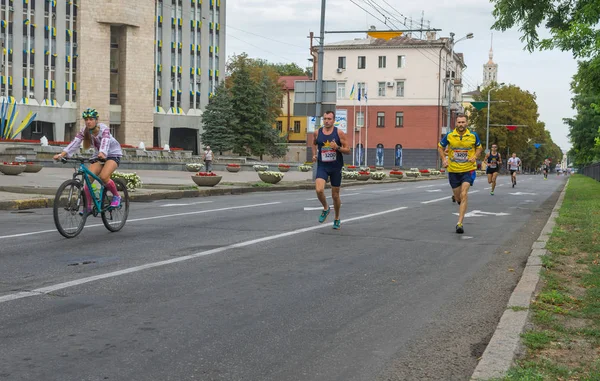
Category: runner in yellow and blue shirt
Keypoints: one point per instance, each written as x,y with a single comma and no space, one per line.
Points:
463,149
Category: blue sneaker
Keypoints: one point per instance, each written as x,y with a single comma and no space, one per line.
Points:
336,224
324,215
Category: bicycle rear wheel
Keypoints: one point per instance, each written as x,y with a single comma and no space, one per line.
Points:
114,218
68,203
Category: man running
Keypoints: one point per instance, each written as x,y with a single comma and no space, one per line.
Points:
464,147
328,146
545,168
513,166
494,161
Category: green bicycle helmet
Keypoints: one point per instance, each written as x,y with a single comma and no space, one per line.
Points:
89,113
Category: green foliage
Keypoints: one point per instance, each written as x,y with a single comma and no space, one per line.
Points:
219,121
518,107
256,93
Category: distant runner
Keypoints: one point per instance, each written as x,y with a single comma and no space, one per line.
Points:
513,166
494,161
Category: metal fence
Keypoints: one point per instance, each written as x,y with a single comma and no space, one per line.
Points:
592,171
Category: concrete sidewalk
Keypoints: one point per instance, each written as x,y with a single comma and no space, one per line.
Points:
37,190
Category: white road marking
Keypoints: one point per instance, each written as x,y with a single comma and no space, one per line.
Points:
444,198
428,186
466,237
77,282
522,193
186,204
388,190
479,213
151,218
433,190
316,207
342,195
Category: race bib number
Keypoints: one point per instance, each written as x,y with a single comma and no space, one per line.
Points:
461,156
492,165
328,155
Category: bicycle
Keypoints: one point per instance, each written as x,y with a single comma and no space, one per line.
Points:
70,202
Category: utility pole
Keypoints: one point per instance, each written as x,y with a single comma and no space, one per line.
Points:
320,65
449,68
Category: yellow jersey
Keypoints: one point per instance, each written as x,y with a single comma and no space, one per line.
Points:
460,149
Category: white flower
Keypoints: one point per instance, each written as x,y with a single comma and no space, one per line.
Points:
132,180
305,167
378,175
349,175
271,173
195,166
259,167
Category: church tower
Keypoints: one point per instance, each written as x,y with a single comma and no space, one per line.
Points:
490,69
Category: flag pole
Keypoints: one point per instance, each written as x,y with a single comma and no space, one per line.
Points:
366,126
360,130
354,127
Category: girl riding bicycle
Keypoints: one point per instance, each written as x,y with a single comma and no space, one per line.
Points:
107,149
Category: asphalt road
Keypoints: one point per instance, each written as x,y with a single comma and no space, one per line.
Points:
251,287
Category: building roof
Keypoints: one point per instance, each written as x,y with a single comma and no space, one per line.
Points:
405,41
474,92
288,80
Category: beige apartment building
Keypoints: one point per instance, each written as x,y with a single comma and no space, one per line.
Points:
147,66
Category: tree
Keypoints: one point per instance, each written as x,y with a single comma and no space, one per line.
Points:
518,107
572,23
256,93
219,121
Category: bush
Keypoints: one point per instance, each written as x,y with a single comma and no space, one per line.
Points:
132,180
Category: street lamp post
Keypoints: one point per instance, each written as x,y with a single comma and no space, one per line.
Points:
487,130
451,62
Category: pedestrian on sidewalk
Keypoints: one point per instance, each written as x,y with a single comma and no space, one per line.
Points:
208,158
464,147
329,143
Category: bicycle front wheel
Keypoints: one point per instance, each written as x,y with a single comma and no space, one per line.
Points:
114,218
69,205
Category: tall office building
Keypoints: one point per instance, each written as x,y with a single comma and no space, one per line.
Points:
147,66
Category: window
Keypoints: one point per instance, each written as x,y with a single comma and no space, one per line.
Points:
279,125
296,126
362,62
380,119
341,62
281,103
341,90
399,88
381,62
381,89
399,119
360,119
113,129
361,86
401,61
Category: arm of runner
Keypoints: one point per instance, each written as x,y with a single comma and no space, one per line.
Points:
442,150
344,147
315,148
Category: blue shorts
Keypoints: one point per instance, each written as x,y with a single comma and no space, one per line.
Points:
333,174
457,179
116,159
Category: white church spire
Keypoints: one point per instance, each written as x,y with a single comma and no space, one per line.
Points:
490,69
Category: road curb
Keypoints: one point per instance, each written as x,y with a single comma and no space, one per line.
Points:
505,344
162,194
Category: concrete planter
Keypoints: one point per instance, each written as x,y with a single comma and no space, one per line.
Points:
305,169
283,169
233,169
396,176
269,178
12,170
207,181
363,177
33,168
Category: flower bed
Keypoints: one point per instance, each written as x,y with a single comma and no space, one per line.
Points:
351,167
412,173
132,180
234,168
270,177
433,171
349,175
305,168
363,175
396,174
32,167
194,167
283,167
424,172
378,175
260,168
206,179
12,168
127,146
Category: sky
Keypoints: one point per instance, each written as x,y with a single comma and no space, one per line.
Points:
277,30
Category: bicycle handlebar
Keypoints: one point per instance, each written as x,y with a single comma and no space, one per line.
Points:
81,160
